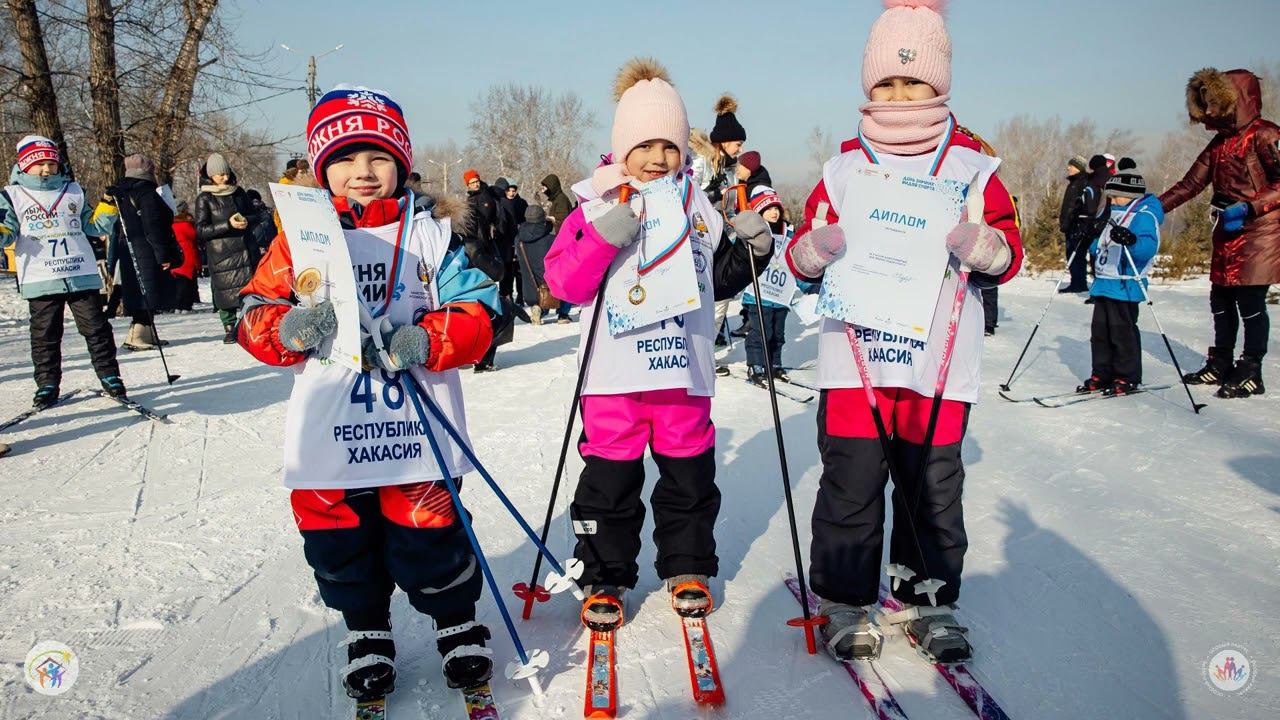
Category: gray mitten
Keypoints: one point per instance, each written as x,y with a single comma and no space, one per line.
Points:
619,227
753,230
303,329
408,346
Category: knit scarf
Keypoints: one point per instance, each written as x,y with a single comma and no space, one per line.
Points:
905,128
219,190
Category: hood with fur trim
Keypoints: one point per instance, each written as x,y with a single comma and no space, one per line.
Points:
1224,101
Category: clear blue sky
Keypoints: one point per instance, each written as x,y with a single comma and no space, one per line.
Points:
792,65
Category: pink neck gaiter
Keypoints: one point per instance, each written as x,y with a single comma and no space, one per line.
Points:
905,128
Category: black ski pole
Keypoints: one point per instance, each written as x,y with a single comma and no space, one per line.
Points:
532,591
1009,382
808,621
1195,406
146,298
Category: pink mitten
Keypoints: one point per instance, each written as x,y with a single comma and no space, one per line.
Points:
980,247
816,249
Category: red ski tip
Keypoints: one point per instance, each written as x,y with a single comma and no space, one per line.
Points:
810,642
537,594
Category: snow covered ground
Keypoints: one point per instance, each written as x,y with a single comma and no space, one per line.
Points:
1113,545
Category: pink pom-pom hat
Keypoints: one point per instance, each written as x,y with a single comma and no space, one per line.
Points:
909,39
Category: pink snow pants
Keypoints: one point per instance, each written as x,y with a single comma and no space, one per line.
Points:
619,427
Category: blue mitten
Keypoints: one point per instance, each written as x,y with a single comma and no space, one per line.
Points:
303,329
1233,217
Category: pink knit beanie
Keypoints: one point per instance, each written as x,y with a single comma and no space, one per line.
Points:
649,108
910,40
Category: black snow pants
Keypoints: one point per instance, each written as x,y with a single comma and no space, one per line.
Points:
1115,340
46,334
362,543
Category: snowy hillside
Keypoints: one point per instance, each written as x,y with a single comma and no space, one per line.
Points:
1113,545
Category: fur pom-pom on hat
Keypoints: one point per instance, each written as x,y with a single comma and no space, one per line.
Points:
938,6
727,127
636,70
649,108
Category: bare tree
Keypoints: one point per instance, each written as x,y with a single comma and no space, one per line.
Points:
36,78
525,132
175,103
100,19
821,147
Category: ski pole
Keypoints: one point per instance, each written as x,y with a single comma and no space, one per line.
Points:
1009,381
533,592
1195,406
974,205
146,299
530,662
809,621
564,580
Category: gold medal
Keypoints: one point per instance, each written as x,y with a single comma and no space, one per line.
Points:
308,282
636,294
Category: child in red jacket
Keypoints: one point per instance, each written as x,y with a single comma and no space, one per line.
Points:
906,125
187,290
372,514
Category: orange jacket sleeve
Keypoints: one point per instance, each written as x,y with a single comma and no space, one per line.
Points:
267,297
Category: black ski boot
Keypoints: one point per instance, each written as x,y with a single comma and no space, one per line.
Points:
466,660
851,632
46,397
756,376
229,338
1120,387
370,672
113,386
1245,379
780,375
1093,384
1216,368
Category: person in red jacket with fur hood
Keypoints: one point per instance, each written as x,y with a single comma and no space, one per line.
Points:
906,125
372,514
1242,162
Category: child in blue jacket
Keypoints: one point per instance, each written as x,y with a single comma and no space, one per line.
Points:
1122,257
776,282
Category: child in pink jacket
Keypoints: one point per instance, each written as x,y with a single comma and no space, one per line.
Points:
652,385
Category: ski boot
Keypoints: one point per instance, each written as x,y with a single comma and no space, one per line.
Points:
780,375
934,632
602,611
1120,387
850,632
113,386
1093,384
370,672
756,376
46,397
1217,366
229,334
1245,379
690,596
466,661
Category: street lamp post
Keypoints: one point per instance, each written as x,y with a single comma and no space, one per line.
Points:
444,170
313,90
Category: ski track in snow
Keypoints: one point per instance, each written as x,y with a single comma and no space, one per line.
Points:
1112,545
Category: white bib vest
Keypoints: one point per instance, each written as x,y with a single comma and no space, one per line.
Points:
675,353
352,430
894,361
1111,254
51,243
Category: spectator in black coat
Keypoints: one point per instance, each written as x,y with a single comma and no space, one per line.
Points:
559,205
223,227
505,239
532,243
145,250
1074,223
